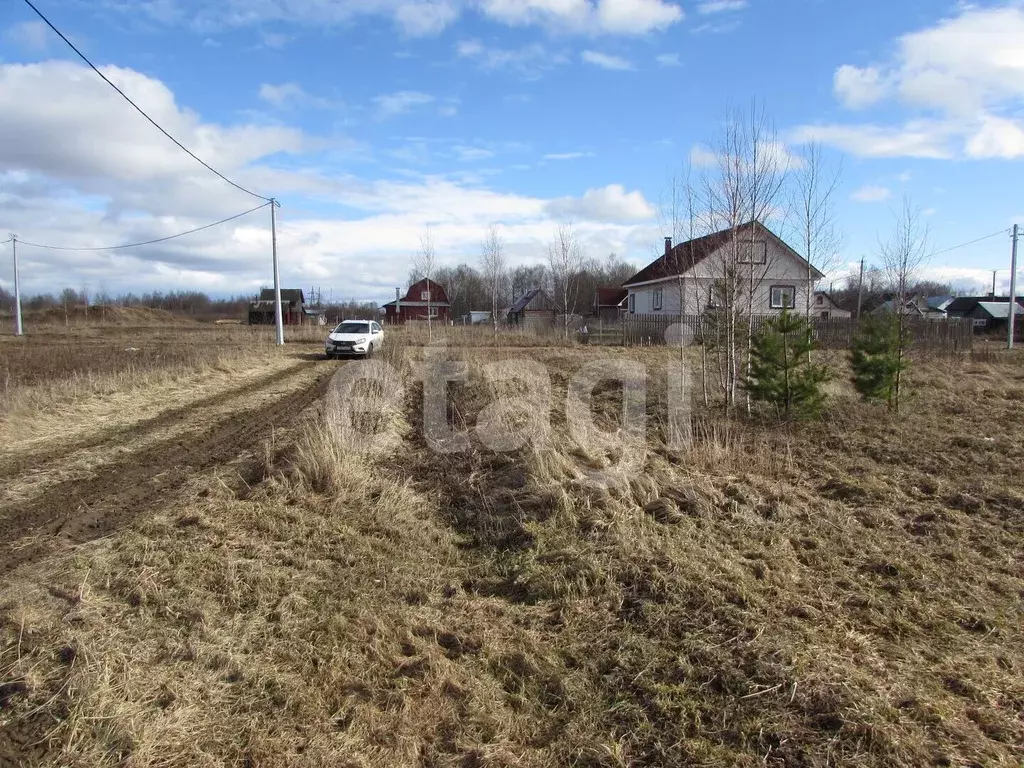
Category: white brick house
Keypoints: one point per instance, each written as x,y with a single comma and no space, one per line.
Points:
691,274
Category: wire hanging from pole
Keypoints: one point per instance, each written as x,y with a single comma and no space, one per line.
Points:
139,109
972,242
147,242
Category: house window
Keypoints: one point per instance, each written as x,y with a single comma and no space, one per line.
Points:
656,299
783,297
821,299
431,311
632,303
753,253
425,296
713,297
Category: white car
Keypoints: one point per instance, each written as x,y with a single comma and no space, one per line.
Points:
354,337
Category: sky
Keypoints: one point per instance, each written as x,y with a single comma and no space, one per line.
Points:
372,120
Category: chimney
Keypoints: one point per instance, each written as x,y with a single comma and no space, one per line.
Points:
668,245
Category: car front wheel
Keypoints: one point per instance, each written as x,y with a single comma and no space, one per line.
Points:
369,352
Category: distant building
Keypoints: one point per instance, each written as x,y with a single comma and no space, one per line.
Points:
423,299
610,303
534,309
293,302
993,315
825,306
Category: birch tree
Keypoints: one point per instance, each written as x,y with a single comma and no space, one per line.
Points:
815,185
424,263
494,269
565,260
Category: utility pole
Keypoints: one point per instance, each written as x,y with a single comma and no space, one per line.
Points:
1013,289
18,329
860,288
278,319
994,282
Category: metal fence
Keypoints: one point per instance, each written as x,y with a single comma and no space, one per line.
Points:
952,334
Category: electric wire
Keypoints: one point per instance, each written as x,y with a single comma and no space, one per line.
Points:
147,242
139,109
972,242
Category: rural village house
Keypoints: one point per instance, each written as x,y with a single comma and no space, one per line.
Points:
423,298
686,279
823,305
610,303
534,309
293,303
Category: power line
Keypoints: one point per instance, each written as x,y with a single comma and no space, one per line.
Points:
964,245
148,242
181,146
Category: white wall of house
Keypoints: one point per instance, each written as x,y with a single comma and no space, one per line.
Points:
779,270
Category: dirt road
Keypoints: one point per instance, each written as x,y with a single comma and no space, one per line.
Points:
72,491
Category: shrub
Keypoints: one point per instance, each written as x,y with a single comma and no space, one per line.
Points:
781,370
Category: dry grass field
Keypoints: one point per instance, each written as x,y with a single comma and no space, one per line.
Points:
204,565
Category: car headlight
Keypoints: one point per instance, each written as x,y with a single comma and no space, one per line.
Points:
360,340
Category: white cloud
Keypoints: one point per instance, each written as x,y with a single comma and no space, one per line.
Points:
871,194
428,17
290,95
425,17
275,40
530,60
606,61
606,204
392,104
567,155
965,73
668,60
996,137
857,87
84,169
701,156
30,35
471,154
720,6
922,138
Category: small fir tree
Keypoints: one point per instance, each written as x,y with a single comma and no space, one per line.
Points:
782,372
878,360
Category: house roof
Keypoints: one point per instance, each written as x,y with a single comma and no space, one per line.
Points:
1000,310
405,303
523,301
289,295
686,256
611,297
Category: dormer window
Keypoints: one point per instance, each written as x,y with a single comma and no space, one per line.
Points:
425,296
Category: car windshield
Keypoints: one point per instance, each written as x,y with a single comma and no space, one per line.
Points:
353,328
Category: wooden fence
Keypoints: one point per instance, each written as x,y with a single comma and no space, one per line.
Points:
953,334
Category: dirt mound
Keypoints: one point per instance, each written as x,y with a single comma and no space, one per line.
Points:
109,315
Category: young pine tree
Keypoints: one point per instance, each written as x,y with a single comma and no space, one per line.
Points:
878,359
781,370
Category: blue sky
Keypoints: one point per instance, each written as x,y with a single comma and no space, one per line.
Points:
372,119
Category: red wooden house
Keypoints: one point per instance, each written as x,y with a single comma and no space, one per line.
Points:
422,298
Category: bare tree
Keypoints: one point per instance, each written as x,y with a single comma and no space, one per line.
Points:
565,261
744,193
494,268
814,210
902,255
423,263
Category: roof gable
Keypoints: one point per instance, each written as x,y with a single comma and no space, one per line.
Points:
289,295
685,256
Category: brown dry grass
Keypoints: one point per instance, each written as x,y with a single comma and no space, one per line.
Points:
837,593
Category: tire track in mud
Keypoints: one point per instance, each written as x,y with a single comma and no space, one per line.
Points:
12,466
77,511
